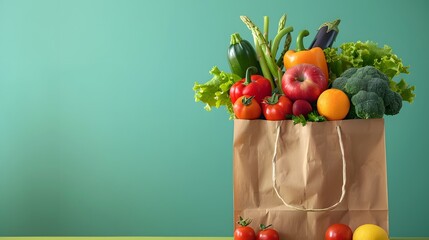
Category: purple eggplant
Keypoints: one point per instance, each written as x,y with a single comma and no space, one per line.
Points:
326,35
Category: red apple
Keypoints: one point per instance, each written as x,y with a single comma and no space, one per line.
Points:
301,107
304,81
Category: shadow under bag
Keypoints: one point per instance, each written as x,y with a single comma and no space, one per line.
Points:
302,179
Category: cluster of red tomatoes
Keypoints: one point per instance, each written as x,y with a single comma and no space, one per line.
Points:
336,231
245,232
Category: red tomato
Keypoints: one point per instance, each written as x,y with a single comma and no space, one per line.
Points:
339,231
244,232
267,233
277,107
246,107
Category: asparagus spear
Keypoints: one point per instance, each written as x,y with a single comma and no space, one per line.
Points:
262,42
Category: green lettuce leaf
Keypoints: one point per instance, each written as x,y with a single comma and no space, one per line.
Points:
360,54
215,92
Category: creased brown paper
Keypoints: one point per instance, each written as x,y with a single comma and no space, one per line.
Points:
309,175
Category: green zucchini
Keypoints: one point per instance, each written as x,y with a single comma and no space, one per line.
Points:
241,55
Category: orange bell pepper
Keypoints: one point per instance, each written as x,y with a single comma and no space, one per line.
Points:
314,56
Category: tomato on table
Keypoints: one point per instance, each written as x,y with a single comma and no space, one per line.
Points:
244,232
267,233
339,231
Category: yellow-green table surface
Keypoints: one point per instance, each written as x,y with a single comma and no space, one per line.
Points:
158,238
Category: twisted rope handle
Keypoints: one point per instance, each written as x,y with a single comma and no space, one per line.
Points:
300,208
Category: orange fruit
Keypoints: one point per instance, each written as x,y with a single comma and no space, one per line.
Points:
370,232
333,104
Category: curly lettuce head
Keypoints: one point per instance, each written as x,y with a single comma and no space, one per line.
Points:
215,92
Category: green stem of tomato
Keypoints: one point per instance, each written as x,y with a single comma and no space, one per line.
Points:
247,100
274,99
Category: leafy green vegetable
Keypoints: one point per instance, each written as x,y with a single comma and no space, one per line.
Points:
299,119
360,54
315,117
311,117
215,92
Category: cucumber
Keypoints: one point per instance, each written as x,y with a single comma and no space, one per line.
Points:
241,55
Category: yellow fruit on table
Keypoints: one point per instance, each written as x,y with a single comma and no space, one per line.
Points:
333,104
370,232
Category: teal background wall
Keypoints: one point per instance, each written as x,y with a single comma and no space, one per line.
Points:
100,134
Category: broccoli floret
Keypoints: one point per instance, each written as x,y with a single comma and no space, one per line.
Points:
349,72
355,84
367,78
339,83
393,102
368,105
378,86
371,86
370,72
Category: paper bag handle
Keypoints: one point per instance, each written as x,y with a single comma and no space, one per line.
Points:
300,208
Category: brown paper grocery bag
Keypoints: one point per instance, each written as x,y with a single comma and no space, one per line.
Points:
302,179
